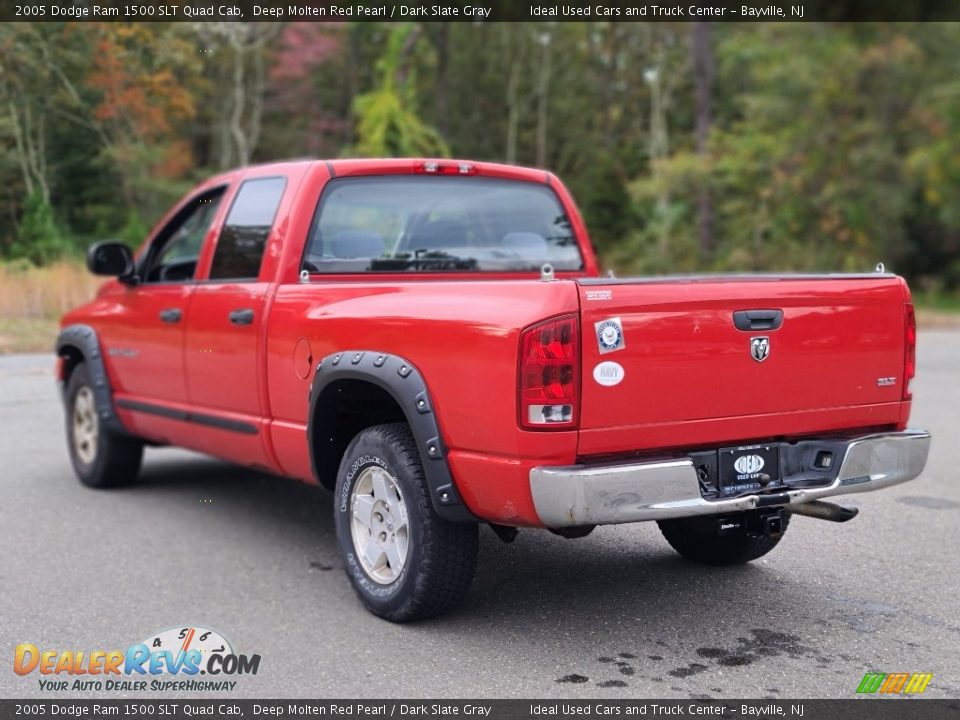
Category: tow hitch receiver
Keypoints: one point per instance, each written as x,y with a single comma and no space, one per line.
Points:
771,523
768,523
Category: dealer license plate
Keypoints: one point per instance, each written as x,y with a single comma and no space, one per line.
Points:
748,468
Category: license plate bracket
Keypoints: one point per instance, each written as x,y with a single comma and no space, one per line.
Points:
748,468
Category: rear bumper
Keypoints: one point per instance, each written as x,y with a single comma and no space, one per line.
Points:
659,490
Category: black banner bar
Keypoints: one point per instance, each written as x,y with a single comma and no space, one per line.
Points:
479,11
176,709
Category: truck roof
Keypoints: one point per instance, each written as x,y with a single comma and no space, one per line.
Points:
345,167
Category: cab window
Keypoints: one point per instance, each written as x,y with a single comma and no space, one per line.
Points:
243,238
418,223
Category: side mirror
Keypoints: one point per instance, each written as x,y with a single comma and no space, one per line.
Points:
110,258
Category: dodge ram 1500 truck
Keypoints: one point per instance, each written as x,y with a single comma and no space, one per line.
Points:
433,342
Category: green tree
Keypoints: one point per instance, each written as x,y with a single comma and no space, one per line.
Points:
387,120
38,238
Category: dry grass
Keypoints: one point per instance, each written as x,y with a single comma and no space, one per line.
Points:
939,319
33,299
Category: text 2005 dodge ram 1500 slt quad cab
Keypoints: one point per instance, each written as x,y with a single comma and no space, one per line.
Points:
432,341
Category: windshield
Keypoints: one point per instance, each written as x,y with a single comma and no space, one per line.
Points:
439,224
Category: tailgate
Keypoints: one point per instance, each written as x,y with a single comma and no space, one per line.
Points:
829,355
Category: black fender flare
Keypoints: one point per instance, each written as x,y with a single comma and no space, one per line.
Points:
84,339
404,383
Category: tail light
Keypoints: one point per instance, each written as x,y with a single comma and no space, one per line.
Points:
549,382
910,349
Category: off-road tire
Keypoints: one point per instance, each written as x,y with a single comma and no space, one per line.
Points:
696,539
441,556
110,460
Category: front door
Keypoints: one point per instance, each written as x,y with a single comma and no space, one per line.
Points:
143,333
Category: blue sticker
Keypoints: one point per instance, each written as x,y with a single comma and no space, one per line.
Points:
609,335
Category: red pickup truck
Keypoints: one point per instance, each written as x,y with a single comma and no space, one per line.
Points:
432,341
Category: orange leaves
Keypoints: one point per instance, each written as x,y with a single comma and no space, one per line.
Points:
137,87
141,79
176,161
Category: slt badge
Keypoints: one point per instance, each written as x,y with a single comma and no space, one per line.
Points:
609,335
760,348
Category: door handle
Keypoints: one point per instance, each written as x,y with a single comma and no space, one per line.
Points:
758,319
171,315
243,316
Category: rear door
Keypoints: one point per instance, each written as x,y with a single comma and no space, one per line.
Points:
223,346
683,362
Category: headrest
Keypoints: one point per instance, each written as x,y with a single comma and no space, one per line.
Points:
525,244
440,234
356,244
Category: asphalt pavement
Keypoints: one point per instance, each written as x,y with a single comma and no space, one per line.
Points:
617,614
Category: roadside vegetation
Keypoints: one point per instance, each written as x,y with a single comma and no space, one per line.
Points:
33,298
689,146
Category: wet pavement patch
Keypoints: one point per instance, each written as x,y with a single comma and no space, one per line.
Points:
736,660
623,661
762,643
712,652
573,678
685,672
773,643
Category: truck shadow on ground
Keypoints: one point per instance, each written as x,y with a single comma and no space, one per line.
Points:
621,589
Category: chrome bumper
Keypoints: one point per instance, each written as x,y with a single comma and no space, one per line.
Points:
609,494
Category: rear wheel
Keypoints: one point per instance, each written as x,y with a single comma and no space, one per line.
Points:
100,458
698,539
404,561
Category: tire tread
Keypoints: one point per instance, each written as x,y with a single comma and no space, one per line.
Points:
118,458
448,550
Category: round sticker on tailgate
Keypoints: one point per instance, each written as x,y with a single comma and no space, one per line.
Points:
608,373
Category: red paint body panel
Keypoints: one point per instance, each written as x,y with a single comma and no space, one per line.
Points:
144,355
219,354
689,380
685,362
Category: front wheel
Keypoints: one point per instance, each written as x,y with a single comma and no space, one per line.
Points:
698,539
404,561
100,458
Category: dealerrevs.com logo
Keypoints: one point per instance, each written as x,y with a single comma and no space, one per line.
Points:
169,660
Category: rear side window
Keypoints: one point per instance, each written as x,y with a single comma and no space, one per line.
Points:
439,224
246,229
